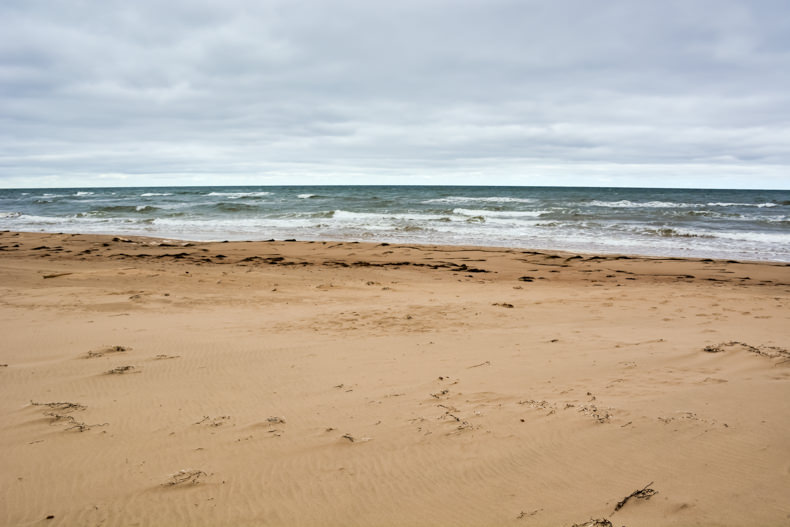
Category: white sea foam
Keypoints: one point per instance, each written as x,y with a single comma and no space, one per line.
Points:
84,193
500,213
624,203
305,196
230,224
759,205
772,219
239,195
29,219
153,194
378,218
763,237
467,199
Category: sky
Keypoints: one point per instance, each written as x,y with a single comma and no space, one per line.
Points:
688,93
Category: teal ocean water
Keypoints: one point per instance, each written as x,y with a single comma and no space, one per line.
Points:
738,224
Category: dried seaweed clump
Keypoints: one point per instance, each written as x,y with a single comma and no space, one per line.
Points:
120,370
64,406
645,493
104,351
184,477
771,352
597,522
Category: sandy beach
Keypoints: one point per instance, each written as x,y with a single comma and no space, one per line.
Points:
159,382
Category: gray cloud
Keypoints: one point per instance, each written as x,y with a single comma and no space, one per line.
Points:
512,92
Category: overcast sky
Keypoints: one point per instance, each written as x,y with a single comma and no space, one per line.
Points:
689,93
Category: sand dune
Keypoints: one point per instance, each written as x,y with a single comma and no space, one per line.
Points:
156,382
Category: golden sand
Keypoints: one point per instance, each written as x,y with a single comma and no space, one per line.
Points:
151,382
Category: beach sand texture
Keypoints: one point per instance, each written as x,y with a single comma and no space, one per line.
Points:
151,382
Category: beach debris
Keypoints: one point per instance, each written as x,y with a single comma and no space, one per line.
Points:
213,421
538,404
594,522
59,413
600,416
462,427
771,352
448,412
523,514
353,439
120,370
185,477
166,357
486,363
275,420
645,493
80,426
64,407
438,395
56,275
104,351
591,410
527,279
503,304
71,423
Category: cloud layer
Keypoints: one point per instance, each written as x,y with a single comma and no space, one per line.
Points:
672,93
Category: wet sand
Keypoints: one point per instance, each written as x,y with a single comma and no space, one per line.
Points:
153,382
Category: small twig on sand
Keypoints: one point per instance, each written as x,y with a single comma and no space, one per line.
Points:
486,363
55,275
645,493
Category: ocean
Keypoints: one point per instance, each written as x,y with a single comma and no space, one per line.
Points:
733,224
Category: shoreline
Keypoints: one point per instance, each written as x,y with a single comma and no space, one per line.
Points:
169,242
172,382
583,252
